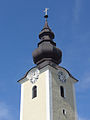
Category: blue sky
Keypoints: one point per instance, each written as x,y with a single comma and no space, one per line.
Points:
20,24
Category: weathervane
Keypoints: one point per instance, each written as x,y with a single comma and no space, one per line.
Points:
46,15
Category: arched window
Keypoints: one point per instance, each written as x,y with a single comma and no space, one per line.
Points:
34,92
62,91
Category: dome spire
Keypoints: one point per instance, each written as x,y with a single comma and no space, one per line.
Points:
46,16
46,33
47,53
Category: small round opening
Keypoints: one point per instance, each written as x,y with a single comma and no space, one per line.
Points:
64,112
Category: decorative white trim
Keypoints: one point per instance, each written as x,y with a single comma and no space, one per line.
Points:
51,102
21,104
49,95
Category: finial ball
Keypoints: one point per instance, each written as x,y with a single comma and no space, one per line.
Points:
46,16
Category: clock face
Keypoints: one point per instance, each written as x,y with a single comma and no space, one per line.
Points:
33,75
62,76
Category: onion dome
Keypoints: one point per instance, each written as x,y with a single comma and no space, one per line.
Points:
46,53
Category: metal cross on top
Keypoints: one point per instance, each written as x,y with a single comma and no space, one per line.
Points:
46,9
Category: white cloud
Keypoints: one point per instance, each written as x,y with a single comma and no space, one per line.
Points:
5,112
77,10
84,83
82,118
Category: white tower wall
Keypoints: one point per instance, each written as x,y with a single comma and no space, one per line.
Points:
48,105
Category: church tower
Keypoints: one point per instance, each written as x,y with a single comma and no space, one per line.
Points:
47,90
